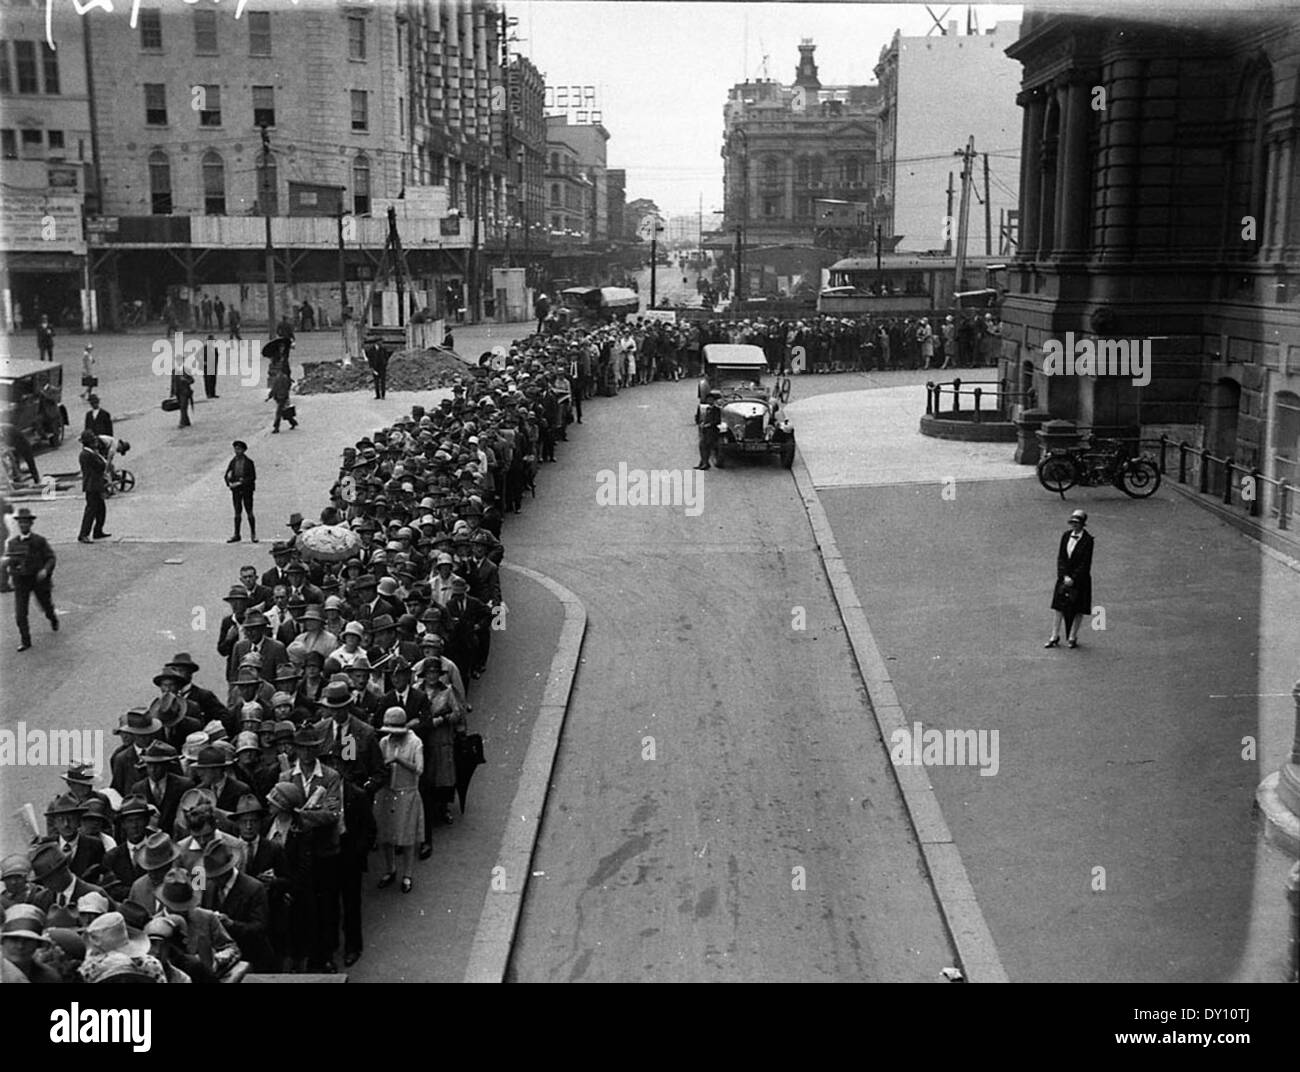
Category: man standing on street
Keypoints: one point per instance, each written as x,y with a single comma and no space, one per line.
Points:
219,308
709,416
377,358
280,392
45,339
235,320
210,362
29,561
99,421
542,308
94,484
241,479
184,395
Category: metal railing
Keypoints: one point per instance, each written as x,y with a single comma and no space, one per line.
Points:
987,398
1253,487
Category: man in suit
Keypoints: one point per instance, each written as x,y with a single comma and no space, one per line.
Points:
120,868
241,479
321,818
57,886
212,768
241,905
177,723
259,596
126,766
359,832
351,740
301,588
94,485
163,784
1072,598
207,703
99,421
278,574
265,860
29,561
210,951
468,621
231,631
272,651
404,695
84,854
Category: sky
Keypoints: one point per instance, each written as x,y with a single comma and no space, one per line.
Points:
662,70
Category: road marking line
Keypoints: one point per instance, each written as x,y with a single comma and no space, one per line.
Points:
948,877
494,937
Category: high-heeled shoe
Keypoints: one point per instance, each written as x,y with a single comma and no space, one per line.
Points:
1055,642
1073,643
388,880
407,884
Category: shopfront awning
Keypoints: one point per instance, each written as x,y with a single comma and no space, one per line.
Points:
16,261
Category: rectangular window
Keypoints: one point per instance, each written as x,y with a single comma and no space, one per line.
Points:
50,64
356,38
6,77
263,106
25,61
155,104
8,145
205,32
55,139
259,33
33,144
151,30
210,113
360,110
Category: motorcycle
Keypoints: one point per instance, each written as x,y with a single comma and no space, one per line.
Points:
1098,463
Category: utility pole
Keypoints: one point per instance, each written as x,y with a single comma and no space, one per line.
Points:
988,212
738,291
880,273
270,249
947,231
654,257
343,278
967,155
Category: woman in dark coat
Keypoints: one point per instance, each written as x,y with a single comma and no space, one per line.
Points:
1072,596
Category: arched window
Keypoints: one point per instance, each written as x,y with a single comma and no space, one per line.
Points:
555,195
160,184
361,185
1258,101
214,184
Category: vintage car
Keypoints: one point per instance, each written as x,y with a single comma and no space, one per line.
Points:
597,305
33,396
752,421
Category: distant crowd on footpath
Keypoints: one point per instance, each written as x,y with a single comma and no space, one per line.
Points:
629,354
329,732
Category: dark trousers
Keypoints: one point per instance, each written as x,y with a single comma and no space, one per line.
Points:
242,499
280,407
209,385
352,865
95,514
381,383
23,449
325,893
24,589
708,440
187,402
47,351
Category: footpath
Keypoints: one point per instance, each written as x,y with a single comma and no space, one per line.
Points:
1114,836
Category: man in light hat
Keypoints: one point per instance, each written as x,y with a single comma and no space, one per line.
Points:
21,935
241,905
163,785
29,562
80,778
166,940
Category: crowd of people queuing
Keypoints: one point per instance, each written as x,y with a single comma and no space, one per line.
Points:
630,354
232,828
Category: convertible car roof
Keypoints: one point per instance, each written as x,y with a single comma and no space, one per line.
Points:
739,354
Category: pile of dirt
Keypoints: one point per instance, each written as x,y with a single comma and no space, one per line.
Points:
408,370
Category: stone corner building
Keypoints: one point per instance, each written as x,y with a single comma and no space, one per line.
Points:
1160,198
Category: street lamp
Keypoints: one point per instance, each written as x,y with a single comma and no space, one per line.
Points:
744,215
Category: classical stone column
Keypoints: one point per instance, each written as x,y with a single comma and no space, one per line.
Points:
1047,176
1073,185
1120,135
1031,136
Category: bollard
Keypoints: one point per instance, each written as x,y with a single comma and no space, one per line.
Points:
977,405
1257,477
956,396
1227,480
1182,463
929,398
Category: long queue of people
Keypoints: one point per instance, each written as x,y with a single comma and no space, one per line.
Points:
237,823
631,354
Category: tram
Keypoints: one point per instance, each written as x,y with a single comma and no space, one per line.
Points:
904,284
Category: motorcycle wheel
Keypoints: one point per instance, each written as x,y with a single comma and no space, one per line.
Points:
1140,479
1057,474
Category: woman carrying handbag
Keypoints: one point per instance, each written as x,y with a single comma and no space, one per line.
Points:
1072,596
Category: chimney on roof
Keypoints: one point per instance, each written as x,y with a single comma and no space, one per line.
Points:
806,73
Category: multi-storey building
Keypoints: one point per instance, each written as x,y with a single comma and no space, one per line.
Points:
1160,207
210,122
571,194
47,168
616,203
921,78
586,142
526,89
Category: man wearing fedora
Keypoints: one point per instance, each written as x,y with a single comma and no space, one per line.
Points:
241,905
119,869
198,827
231,631
348,738
321,818
29,562
212,768
177,722
126,765
281,552
80,779
163,785
210,951
83,854
272,652
58,886
154,858
300,587
207,703
94,485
